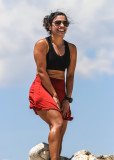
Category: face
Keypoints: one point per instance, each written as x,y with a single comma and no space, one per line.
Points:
59,25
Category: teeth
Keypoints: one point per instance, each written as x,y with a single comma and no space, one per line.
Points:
61,30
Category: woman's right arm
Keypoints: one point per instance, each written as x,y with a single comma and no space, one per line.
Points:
40,51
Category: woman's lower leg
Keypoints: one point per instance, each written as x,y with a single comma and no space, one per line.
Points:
55,122
65,122
55,141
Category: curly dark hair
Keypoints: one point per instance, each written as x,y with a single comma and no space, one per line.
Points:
47,21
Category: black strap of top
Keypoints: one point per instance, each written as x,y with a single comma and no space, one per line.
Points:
51,46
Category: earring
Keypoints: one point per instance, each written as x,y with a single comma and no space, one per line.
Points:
49,27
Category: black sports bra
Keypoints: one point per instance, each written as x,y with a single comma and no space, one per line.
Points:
56,62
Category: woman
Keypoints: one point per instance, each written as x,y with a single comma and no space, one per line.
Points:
50,93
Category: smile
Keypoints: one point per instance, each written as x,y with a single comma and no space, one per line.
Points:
61,30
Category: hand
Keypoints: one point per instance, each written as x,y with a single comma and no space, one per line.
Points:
56,99
65,107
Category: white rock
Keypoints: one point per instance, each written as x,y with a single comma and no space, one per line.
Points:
80,157
92,157
83,152
109,157
39,152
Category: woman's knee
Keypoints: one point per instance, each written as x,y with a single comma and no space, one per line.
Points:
53,118
58,124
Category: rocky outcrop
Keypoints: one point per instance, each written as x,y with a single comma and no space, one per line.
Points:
41,152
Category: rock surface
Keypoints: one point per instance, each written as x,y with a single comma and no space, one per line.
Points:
41,152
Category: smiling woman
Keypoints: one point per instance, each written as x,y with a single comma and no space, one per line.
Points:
49,95
48,20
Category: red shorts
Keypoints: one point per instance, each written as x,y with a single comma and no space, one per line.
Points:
40,98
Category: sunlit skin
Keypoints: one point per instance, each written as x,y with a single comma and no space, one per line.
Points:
52,117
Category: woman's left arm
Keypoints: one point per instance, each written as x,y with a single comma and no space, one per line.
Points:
71,70
70,77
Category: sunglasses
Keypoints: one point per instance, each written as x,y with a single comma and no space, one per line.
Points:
58,23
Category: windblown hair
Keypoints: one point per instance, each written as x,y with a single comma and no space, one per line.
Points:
47,21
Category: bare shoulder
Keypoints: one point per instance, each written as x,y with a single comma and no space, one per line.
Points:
41,45
41,42
72,48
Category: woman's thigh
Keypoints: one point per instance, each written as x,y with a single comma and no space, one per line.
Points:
51,116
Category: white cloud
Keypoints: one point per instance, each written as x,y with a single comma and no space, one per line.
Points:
61,4
21,26
19,22
102,63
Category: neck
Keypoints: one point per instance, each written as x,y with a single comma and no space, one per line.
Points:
57,40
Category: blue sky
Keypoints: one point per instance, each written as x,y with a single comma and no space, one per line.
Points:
92,32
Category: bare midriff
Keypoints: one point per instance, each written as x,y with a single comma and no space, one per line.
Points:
55,74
